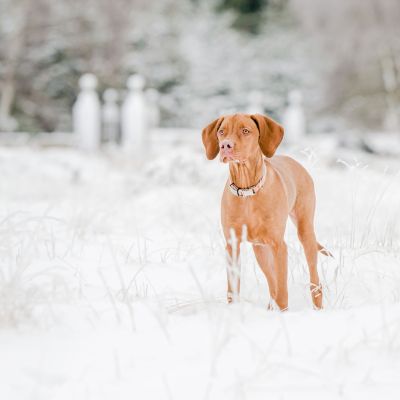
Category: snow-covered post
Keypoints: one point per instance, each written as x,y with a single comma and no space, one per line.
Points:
134,119
110,116
255,105
153,110
294,120
86,114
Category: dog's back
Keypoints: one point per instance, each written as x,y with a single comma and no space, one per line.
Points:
297,181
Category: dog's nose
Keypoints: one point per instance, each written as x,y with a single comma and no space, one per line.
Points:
226,145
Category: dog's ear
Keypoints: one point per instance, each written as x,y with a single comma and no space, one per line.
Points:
209,136
271,134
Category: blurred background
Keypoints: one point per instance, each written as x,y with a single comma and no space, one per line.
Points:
341,58
113,263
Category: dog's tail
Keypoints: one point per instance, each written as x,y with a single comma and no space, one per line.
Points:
324,251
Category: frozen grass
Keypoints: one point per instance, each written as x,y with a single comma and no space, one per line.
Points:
112,283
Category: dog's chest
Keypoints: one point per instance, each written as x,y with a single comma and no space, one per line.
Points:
258,219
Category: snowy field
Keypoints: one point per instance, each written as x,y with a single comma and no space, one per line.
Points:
112,282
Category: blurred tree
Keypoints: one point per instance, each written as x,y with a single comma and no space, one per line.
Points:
47,45
360,73
185,49
12,37
249,13
224,66
245,6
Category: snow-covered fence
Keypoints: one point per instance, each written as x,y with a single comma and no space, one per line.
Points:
133,123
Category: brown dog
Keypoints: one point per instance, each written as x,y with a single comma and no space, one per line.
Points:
259,196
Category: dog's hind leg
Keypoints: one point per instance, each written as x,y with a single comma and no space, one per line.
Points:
324,251
303,218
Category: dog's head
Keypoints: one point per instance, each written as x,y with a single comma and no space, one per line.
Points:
238,137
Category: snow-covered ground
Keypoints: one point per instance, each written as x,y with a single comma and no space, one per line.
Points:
112,282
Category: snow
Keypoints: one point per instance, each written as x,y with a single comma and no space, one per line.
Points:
112,281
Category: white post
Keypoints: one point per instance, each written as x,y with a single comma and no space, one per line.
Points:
86,114
110,116
134,118
294,120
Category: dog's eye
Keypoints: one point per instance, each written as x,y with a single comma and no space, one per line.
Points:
245,131
221,132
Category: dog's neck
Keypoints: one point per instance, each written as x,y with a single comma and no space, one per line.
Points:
248,173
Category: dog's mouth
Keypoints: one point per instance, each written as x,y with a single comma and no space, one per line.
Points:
226,158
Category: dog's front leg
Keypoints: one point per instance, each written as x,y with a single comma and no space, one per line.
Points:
279,250
265,260
233,268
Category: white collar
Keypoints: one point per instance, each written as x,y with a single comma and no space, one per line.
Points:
252,190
